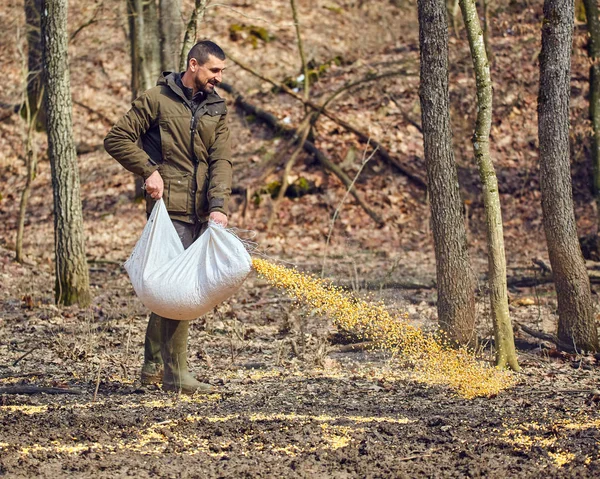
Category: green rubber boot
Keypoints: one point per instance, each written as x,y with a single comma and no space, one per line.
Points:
152,369
174,352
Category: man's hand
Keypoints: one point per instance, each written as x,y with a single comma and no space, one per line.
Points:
154,185
218,218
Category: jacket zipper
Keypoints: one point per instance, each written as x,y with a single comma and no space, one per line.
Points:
193,124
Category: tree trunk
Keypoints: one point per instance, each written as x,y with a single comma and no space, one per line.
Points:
575,313
72,281
151,43
31,161
503,333
145,56
171,29
456,286
191,31
593,23
34,62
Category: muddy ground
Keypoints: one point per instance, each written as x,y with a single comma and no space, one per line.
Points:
291,400
286,407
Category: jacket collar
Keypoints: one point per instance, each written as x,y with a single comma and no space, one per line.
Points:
170,79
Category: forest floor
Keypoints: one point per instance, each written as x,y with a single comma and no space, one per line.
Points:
291,401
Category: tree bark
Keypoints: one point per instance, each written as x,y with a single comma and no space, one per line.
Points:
31,161
593,24
72,279
456,286
191,31
575,312
505,345
34,62
152,46
145,56
171,29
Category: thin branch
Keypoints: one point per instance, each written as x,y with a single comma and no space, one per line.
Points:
368,78
91,21
251,17
21,375
20,358
341,203
303,131
301,51
404,115
38,390
106,120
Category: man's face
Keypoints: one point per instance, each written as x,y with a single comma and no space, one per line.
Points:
208,75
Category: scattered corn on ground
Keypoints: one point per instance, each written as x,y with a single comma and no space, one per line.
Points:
433,360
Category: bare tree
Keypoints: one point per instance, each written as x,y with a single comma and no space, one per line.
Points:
34,63
576,324
145,54
171,29
191,31
72,277
593,23
503,333
455,282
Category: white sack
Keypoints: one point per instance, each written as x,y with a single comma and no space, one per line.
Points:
185,284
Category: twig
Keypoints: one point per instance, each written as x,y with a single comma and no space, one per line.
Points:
97,382
106,120
251,17
21,375
348,348
301,52
38,390
368,78
416,456
91,21
25,355
105,261
404,115
303,131
341,203
127,348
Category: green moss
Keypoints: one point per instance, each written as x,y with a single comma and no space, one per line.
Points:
273,188
252,33
261,33
334,9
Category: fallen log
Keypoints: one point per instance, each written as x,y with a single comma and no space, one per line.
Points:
271,120
38,390
546,337
20,375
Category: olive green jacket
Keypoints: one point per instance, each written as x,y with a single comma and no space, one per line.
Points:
193,155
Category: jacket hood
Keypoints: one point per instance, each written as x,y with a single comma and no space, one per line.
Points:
169,79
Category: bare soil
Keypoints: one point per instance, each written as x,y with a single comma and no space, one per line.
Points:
291,402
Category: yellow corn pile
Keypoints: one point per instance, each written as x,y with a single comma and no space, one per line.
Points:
434,361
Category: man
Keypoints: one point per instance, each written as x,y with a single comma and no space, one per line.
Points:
184,158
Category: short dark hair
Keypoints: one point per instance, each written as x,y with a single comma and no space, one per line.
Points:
203,49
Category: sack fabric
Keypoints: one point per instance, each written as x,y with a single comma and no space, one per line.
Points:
178,283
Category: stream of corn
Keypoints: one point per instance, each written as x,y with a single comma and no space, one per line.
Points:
434,361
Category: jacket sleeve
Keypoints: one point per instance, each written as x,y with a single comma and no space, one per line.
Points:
122,140
220,169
